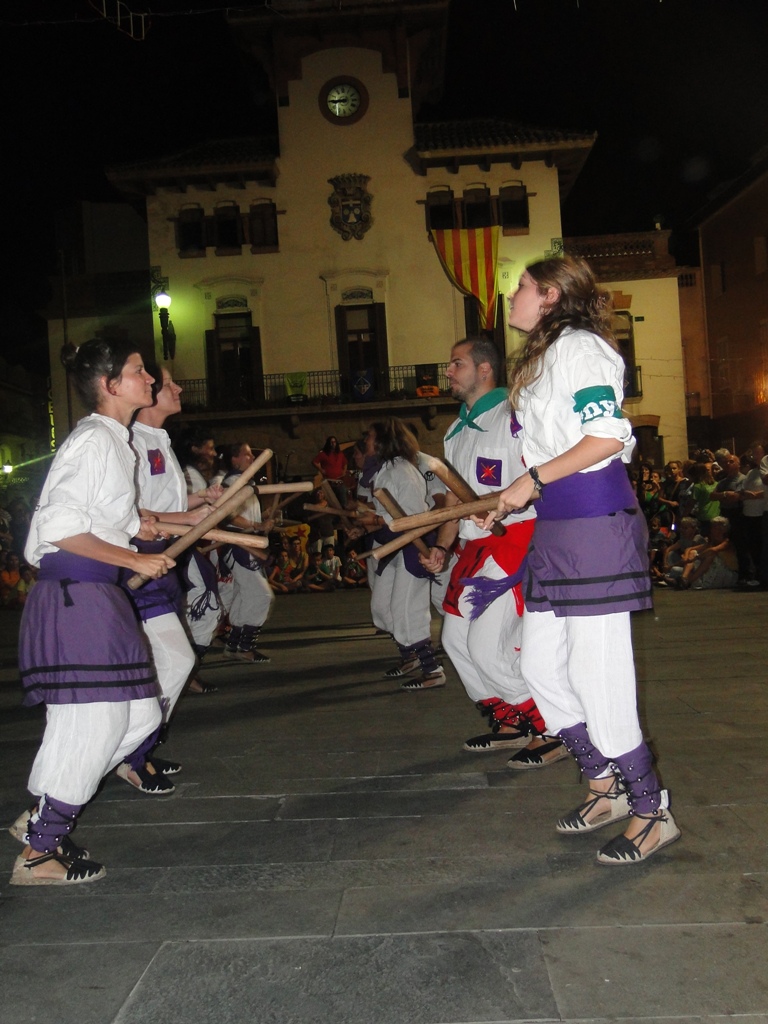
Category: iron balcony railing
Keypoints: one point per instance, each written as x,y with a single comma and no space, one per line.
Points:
316,387
329,387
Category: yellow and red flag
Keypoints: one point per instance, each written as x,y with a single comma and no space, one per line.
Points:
469,257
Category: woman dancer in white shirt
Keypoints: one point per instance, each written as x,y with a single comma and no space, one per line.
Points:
588,564
81,650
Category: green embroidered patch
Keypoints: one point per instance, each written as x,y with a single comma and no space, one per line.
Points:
596,403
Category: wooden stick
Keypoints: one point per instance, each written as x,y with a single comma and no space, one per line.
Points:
244,478
243,540
332,500
299,487
444,515
394,545
281,504
389,503
228,508
455,483
328,511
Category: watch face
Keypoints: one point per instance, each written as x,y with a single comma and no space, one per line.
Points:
343,100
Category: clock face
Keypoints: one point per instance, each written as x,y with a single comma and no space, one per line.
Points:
343,100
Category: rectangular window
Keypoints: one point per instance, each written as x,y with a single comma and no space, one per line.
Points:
441,210
262,227
513,209
478,212
227,229
190,232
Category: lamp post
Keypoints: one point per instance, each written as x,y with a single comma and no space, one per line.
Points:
163,302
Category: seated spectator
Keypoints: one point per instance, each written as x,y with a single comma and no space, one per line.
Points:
299,561
713,565
330,565
354,573
658,540
280,578
315,579
21,517
25,584
9,581
6,537
674,556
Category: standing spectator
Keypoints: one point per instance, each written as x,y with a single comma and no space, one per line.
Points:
753,502
728,492
704,505
672,487
332,465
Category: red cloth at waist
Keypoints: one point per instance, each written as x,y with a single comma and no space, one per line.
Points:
507,551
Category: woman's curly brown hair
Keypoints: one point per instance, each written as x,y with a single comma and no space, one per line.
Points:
582,305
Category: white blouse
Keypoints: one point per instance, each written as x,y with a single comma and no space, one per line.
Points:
90,489
578,393
162,487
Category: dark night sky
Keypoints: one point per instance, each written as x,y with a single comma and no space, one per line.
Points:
676,89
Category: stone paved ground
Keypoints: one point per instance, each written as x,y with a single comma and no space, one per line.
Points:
332,855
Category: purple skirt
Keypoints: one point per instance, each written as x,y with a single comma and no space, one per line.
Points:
594,566
80,640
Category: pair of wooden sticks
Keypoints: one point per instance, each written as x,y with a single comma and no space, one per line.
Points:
413,528
227,505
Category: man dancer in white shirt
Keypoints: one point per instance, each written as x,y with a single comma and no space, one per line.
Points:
483,641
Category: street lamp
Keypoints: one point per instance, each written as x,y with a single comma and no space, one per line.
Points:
163,302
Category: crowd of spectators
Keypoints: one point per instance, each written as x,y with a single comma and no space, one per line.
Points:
708,520
16,577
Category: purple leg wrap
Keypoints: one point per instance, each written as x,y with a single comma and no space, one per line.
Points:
643,788
138,758
426,655
49,825
593,764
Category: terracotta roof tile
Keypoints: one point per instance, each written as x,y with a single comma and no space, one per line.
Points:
490,133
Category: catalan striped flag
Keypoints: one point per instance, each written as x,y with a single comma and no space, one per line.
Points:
469,257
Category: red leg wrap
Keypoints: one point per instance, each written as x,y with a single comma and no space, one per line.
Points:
529,711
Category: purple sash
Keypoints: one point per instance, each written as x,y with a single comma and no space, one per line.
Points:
588,495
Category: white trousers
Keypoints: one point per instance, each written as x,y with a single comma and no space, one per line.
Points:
246,596
201,630
400,603
581,669
486,652
82,742
173,657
